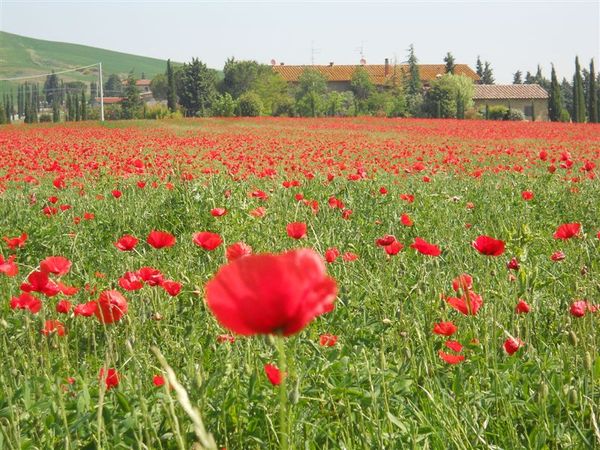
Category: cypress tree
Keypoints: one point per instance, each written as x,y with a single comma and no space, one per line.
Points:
77,108
55,111
414,84
578,97
479,67
83,105
2,115
592,96
555,103
171,93
450,65
518,77
68,108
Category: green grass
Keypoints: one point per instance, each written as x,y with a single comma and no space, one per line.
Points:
382,386
24,56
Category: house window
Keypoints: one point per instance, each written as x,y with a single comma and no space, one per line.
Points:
528,110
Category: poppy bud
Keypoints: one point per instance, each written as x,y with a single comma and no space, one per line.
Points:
572,396
573,339
542,391
587,361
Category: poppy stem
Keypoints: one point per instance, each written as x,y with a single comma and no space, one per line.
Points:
283,418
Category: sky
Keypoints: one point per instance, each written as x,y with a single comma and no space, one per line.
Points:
512,35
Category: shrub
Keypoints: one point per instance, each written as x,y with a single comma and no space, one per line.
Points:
473,114
565,116
497,112
515,115
224,106
45,118
285,107
157,112
249,105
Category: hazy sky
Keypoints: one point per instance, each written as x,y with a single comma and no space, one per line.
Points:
510,34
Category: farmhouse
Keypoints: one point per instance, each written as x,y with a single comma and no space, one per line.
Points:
339,76
530,99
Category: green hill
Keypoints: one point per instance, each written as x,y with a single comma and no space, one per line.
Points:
23,56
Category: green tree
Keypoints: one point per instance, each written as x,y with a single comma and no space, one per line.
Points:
93,91
592,95
312,86
249,104
414,83
224,106
272,90
83,105
55,111
362,87
450,65
488,74
555,102
518,77
449,96
240,76
197,88
51,87
113,86
131,103
3,119
171,89
578,114
479,67
159,86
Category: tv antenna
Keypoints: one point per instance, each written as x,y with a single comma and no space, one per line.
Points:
361,50
313,52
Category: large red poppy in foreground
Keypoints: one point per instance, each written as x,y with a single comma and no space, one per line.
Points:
271,294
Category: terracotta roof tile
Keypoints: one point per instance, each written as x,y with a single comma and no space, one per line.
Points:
508,91
377,72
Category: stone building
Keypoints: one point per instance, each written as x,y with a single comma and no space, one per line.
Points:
530,99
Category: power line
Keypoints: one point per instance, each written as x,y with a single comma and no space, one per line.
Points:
48,74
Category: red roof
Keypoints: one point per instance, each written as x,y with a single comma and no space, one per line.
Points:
377,72
110,100
143,82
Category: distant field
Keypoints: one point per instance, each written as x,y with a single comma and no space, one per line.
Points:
414,355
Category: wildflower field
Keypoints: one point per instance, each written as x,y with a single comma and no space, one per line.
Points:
311,283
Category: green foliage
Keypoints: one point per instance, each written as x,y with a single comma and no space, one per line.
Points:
284,107
55,112
113,86
497,112
51,88
159,87
362,87
312,86
272,90
224,106
555,102
592,93
131,105
171,88
3,118
518,77
488,74
197,88
515,115
249,105
449,62
45,118
449,96
240,77
340,104
578,95
479,67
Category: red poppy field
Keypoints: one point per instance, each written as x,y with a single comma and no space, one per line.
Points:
299,283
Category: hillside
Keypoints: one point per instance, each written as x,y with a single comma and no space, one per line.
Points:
22,56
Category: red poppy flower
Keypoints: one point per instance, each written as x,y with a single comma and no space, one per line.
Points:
218,212
271,294
258,212
151,276
462,282
406,220
131,281
328,340
273,374
445,328
407,197
424,247
58,265
513,264
158,380
296,230
40,282
468,304
522,307
222,338
8,266
511,345
207,240
110,378
171,287
261,195
111,307
394,248
349,256
53,326
527,195
16,242
85,309
116,193
26,301
383,190
489,246
385,240
578,308
237,250
126,243
567,230
63,307
451,359
160,239
331,254
454,345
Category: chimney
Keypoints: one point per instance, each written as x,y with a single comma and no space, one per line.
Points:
331,64
281,63
386,69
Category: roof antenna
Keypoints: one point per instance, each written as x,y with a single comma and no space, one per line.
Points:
361,50
313,52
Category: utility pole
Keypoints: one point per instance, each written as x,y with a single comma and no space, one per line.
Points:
101,95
